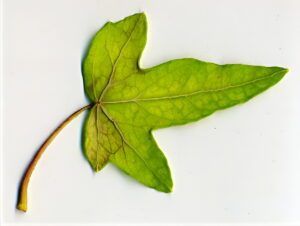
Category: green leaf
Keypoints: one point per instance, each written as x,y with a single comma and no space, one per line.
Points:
114,54
130,102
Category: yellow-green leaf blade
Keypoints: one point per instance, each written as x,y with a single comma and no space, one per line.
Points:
142,159
186,90
132,149
114,53
130,102
100,139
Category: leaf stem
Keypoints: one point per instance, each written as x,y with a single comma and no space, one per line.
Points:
22,201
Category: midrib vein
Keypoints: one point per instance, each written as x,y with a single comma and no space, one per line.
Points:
97,141
116,62
129,145
192,93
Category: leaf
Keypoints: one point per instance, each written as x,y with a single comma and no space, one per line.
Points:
130,102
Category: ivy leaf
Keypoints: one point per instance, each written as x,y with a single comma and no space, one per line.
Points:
130,102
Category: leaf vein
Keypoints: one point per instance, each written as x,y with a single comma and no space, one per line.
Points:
130,146
192,93
116,62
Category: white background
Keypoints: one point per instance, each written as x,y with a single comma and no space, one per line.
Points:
241,165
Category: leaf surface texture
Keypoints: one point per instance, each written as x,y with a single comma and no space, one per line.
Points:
130,101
